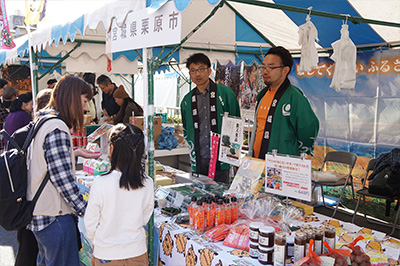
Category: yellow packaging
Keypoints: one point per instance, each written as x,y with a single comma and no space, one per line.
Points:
304,208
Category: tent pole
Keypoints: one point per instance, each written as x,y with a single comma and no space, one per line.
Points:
133,86
355,20
212,13
249,24
148,69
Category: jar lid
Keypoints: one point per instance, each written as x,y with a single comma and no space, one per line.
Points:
265,249
267,229
300,234
256,225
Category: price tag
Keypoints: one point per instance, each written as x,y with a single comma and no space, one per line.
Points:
178,200
391,252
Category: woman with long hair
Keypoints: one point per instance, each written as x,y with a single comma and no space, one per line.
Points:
121,202
51,151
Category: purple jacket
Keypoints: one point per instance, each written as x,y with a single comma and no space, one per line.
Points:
14,121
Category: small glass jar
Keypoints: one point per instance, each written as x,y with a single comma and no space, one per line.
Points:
290,246
310,235
280,249
253,250
319,239
266,236
254,231
266,255
299,245
330,237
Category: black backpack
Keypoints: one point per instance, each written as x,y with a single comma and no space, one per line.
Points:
385,183
15,210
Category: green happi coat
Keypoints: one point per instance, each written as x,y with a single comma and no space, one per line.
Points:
226,102
294,125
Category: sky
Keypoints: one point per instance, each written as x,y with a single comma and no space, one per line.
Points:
58,11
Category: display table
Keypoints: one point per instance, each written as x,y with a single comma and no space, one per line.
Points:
181,246
177,158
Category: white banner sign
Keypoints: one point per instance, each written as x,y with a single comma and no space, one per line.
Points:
288,176
230,144
146,28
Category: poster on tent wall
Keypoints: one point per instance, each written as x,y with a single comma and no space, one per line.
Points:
365,120
288,176
146,28
251,84
230,146
6,41
229,75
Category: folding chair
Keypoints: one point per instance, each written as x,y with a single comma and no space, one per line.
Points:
339,157
364,192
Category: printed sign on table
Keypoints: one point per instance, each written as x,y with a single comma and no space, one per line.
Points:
231,140
146,28
287,176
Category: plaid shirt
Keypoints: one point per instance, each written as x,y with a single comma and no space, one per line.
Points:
56,148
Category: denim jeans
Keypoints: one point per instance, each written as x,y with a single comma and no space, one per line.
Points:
57,243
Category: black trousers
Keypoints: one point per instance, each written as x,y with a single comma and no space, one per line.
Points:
28,248
220,175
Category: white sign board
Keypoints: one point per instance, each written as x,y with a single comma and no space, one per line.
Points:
230,144
287,176
146,28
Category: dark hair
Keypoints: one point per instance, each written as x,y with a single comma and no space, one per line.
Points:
198,58
3,83
91,79
103,80
17,103
66,99
43,98
284,54
128,155
51,81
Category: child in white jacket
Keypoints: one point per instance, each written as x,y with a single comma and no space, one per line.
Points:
121,202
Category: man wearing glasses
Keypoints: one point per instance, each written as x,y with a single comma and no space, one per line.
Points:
202,110
284,119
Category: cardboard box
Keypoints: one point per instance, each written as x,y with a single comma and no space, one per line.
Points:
157,127
304,208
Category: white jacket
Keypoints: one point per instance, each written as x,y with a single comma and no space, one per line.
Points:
345,57
308,34
115,217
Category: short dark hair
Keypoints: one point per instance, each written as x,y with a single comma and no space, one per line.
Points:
198,58
284,54
43,98
103,80
128,155
3,83
51,81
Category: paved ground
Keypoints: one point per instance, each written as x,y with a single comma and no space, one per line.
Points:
8,247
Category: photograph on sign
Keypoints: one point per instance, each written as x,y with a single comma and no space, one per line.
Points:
146,28
230,145
288,176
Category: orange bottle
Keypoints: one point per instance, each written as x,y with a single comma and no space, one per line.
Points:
219,213
199,218
209,214
191,212
228,210
235,209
